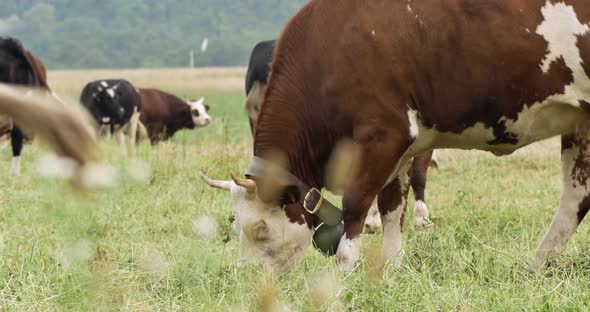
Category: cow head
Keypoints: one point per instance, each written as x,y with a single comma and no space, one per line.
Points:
199,113
273,228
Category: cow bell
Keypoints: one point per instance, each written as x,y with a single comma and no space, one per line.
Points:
327,237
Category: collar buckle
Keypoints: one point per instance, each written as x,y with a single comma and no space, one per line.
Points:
313,196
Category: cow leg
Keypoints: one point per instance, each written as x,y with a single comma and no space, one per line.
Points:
142,132
106,131
392,201
373,219
120,133
379,157
133,128
418,180
16,140
575,195
434,160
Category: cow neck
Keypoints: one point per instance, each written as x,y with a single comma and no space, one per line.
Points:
182,119
305,136
287,129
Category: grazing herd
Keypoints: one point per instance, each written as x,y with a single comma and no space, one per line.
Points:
396,78
117,107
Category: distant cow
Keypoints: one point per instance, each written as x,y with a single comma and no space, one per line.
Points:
164,114
256,79
18,66
115,104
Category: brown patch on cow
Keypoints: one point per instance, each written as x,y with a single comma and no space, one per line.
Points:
584,46
581,170
581,8
583,208
585,105
391,198
298,215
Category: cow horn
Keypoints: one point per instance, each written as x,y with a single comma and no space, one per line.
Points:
248,184
222,185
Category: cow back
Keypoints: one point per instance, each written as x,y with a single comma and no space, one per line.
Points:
259,65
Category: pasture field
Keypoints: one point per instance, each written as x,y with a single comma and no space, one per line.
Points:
165,243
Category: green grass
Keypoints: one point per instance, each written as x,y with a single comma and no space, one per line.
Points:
133,247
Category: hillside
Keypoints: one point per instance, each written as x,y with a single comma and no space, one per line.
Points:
143,33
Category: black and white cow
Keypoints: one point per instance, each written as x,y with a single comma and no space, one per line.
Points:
16,67
256,78
115,104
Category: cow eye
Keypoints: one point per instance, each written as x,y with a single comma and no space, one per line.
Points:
196,113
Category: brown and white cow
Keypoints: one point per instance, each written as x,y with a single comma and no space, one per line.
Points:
256,80
163,114
401,78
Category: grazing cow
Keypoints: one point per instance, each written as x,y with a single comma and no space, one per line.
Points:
401,78
115,105
18,66
163,114
256,79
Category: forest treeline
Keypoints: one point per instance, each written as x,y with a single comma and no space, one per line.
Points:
143,33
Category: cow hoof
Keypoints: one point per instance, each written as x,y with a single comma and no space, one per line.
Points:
15,167
348,253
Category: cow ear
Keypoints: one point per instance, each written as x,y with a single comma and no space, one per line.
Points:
207,107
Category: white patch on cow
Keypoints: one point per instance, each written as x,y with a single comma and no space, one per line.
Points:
565,222
392,236
203,119
421,216
281,242
111,92
15,166
104,84
561,29
413,118
106,119
349,251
